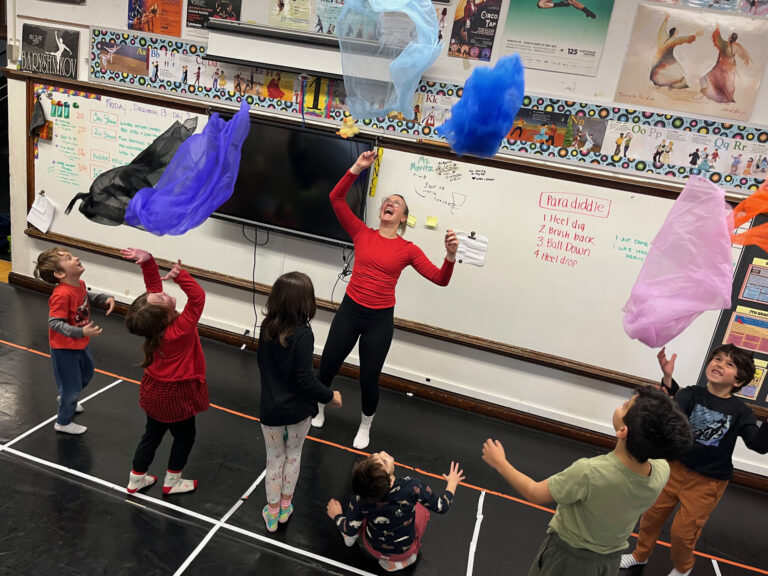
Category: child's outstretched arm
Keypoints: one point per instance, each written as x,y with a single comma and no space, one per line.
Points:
441,504
348,525
195,297
667,366
152,281
536,492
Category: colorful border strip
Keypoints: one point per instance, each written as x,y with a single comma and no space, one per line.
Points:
335,113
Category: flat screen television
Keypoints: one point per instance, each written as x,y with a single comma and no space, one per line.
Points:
286,174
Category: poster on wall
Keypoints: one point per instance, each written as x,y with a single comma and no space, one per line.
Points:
328,12
155,16
290,14
702,62
200,11
51,51
754,7
123,58
540,127
474,27
558,36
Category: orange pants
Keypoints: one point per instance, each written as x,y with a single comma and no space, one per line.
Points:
698,495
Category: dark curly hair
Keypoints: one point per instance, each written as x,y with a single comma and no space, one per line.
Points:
656,427
369,480
744,360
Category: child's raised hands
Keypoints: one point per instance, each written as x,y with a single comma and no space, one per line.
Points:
453,477
137,255
173,272
667,364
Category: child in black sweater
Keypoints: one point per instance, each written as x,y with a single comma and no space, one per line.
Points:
290,391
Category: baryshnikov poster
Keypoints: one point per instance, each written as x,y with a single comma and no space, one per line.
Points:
558,36
51,51
701,62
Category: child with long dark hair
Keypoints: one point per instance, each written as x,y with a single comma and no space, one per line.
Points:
290,391
173,388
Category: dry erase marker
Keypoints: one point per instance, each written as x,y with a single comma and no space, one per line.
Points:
53,108
66,109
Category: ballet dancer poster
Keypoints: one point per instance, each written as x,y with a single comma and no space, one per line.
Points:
701,62
50,51
155,16
558,35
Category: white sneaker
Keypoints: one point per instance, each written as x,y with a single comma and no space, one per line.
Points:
70,428
629,560
676,572
78,410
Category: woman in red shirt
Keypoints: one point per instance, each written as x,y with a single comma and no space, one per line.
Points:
173,388
367,310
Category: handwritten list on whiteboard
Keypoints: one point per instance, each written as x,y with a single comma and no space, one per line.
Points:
94,134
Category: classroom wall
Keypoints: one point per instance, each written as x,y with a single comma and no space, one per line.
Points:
538,390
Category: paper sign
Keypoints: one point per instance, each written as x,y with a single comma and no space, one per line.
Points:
41,213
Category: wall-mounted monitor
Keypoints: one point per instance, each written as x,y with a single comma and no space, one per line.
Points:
286,174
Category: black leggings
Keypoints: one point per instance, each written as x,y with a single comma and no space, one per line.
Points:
183,433
374,328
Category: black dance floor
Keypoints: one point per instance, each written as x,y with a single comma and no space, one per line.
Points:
64,509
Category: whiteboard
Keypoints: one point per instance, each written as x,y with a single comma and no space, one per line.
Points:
564,300
99,133
562,259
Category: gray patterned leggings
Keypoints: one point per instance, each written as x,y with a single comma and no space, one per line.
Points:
284,445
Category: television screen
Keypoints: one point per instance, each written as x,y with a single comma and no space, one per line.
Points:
286,174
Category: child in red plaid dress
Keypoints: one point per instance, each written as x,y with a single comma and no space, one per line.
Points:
173,388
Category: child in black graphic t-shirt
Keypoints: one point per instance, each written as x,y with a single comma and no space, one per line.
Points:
698,477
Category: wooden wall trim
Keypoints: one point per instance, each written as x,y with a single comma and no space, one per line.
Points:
465,403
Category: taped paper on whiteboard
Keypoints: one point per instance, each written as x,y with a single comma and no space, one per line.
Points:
472,248
41,213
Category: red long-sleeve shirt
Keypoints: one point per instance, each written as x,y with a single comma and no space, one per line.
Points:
379,260
180,355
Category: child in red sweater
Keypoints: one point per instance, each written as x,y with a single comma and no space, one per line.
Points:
70,331
173,389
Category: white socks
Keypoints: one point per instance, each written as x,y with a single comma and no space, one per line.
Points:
78,410
362,438
676,572
629,560
70,428
138,482
175,484
319,420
